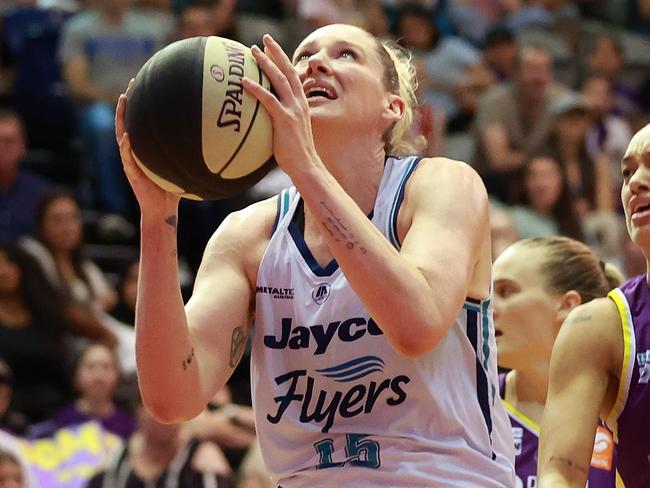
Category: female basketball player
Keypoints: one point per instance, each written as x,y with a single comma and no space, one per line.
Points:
601,360
536,283
373,358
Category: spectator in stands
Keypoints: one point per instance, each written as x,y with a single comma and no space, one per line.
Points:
101,50
513,120
124,311
502,229
499,53
20,189
96,377
11,421
589,179
546,206
607,58
196,19
161,455
32,336
609,133
12,474
446,61
230,425
57,247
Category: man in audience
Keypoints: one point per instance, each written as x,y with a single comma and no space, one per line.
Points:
101,50
513,120
20,189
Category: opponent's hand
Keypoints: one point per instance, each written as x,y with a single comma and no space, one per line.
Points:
150,196
293,141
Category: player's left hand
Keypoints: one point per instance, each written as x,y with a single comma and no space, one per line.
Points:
293,141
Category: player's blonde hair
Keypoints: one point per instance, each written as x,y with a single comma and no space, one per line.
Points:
570,265
400,79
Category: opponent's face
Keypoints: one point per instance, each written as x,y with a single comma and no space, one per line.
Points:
343,77
97,373
525,313
61,227
635,195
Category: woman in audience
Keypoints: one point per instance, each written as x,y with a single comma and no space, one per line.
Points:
12,474
96,379
546,206
32,336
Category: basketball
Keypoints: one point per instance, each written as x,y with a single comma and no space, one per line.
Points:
194,130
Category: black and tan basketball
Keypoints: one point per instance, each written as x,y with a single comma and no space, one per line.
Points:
194,130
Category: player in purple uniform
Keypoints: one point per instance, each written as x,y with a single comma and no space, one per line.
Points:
537,282
601,360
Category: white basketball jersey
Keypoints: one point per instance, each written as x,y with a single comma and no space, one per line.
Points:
336,406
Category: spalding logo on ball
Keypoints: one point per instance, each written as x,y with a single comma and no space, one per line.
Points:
194,130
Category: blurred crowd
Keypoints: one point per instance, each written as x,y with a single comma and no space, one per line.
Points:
539,96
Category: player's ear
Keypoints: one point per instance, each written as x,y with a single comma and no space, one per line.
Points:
570,300
394,109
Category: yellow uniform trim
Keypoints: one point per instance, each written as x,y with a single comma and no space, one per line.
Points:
527,421
629,353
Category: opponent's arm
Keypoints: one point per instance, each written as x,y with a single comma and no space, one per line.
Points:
586,356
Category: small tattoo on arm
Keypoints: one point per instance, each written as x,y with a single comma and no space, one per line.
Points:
583,318
334,226
188,360
237,345
567,462
172,220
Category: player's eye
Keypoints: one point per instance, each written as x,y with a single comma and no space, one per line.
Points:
303,56
348,53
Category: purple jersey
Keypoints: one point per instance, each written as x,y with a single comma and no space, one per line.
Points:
629,417
525,433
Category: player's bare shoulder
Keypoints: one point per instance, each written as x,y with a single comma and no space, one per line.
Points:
444,177
594,326
243,236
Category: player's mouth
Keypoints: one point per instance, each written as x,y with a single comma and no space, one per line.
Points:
319,91
640,213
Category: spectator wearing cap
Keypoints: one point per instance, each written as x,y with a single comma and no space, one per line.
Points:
589,178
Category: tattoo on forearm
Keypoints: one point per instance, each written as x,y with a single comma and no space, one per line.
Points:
567,462
188,359
237,345
334,226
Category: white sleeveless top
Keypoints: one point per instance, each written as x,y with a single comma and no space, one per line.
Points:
335,405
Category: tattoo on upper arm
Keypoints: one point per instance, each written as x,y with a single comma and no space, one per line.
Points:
188,359
567,462
335,227
172,220
582,318
237,345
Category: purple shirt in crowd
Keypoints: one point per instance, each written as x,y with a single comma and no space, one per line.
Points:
121,423
630,418
525,433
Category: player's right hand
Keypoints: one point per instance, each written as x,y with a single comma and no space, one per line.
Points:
150,196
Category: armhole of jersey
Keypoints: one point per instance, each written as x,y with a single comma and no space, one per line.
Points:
629,353
282,209
397,202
